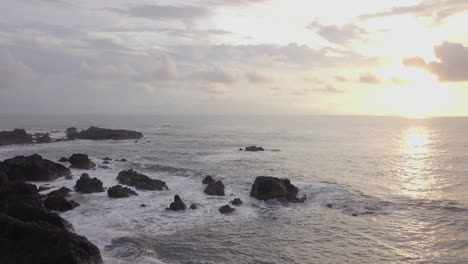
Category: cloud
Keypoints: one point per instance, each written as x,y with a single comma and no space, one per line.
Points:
340,78
439,10
164,12
327,90
255,77
12,70
369,78
452,65
338,34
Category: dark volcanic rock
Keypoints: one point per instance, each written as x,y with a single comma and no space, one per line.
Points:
177,205
208,179
236,202
103,167
254,148
63,159
226,209
119,191
193,206
3,178
81,161
88,185
265,188
123,160
105,162
72,133
17,136
43,138
96,133
43,188
69,177
140,181
215,188
59,203
33,168
106,159
63,192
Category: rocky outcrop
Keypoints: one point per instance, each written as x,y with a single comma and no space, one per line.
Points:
226,209
62,192
43,138
29,233
32,168
208,179
59,203
253,148
17,136
96,133
72,133
140,181
193,206
265,188
236,202
119,191
63,159
87,184
177,205
215,188
81,161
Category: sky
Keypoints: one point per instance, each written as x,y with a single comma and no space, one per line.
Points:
243,57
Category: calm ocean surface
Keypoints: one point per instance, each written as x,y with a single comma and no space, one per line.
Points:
397,188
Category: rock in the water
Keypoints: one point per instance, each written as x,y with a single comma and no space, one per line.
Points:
236,202
63,159
17,136
43,188
142,205
59,203
193,206
140,181
123,160
106,162
208,179
96,133
69,177
81,161
215,188
88,185
106,159
265,188
103,167
72,133
43,138
254,148
226,209
62,192
177,205
32,168
119,191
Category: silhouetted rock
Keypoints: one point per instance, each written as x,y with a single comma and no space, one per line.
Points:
43,188
177,205
32,168
59,203
142,205
226,209
17,136
236,202
215,188
119,191
193,206
43,138
72,133
140,181
106,159
88,185
62,192
254,148
208,179
103,167
3,178
123,160
96,133
241,149
106,162
69,177
265,188
81,161
63,159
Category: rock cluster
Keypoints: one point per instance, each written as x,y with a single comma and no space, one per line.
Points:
215,188
97,133
265,188
17,136
87,184
32,168
140,181
81,161
120,191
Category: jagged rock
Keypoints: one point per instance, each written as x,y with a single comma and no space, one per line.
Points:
59,203
33,168
81,161
43,138
193,206
140,181
142,205
177,205
17,136
62,192
254,148
43,188
208,179
226,209
215,188
88,185
265,188
236,202
106,159
96,133
63,159
119,191
123,160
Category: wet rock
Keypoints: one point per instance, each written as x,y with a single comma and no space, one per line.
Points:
119,191
3,178
142,205
32,168
177,205
226,209
140,181
63,159
81,161
59,203
208,179
69,177
241,149
123,160
215,188
88,185
193,206
43,188
106,162
106,159
43,138
236,202
96,133
72,133
329,205
265,188
254,148
62,192
17,136
103,167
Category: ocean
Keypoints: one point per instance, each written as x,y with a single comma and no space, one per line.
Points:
380,189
